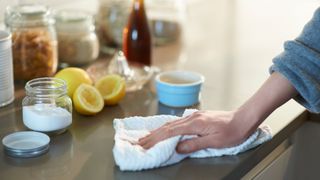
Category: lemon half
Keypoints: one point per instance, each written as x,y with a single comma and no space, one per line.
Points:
87,100
112,88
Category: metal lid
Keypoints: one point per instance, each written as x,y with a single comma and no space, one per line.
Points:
26,144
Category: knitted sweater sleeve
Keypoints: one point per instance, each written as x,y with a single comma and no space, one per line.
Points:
300,64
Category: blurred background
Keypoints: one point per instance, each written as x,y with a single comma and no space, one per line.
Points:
236,34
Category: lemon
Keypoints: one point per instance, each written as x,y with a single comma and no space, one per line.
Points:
73,77
112,88
87,100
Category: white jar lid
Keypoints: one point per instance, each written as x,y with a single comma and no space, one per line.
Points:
26,144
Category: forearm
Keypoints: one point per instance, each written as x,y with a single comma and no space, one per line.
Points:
273,93
300,64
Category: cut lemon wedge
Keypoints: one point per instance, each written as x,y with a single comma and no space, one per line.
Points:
112,88
87,100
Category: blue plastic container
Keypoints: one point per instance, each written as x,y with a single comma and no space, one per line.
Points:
179,88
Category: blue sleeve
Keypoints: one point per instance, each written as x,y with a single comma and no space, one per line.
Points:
300,64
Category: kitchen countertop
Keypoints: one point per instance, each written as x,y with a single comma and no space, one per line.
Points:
233,49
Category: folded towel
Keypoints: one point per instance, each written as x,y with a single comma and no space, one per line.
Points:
131,157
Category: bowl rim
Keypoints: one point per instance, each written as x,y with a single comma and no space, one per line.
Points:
200,81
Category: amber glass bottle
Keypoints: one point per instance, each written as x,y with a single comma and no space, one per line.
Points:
136,36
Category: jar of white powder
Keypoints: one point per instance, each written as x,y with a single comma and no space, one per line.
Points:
47,107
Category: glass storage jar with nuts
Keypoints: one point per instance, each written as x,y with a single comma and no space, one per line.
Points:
77,41
34,41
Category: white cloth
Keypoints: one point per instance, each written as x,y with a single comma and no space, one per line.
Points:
131,157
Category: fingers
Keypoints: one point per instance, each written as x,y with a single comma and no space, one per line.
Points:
174,128
160,134
195,144
171,123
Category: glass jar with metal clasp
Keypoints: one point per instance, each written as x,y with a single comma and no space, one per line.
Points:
34,40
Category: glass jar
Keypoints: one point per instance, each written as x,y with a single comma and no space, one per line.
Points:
34,41
167,19
47,107
112,17
77,41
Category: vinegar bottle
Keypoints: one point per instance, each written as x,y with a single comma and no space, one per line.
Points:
136,36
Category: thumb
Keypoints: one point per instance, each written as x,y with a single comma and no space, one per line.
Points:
192,145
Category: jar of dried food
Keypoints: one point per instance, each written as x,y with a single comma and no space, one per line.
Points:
34,41
167,20
77,41
112,17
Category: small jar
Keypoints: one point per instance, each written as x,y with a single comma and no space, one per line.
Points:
47,107
77,41
34,41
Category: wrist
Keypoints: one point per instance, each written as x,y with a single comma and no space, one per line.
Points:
246,120
272,94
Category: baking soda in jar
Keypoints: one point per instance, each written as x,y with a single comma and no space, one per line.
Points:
47,107
46,117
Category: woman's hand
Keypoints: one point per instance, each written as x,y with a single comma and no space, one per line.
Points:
215,129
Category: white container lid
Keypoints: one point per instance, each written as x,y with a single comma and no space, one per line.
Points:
26,144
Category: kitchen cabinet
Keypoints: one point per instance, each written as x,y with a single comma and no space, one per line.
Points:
296,158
